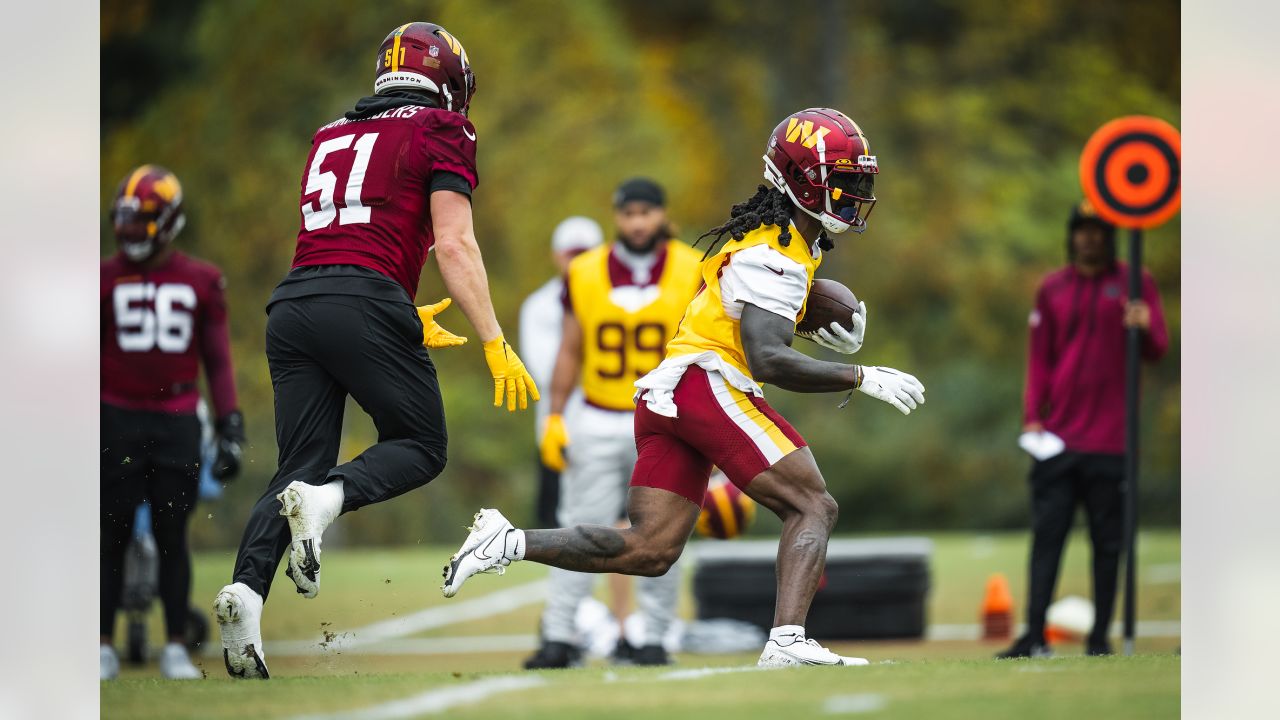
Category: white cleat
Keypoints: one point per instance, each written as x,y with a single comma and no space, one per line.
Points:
310,509
794,650
108,663
175,663
483,552
239,613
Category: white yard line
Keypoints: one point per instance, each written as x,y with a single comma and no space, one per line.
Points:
695,673
435,701
856,703
391,636
450,613
452,645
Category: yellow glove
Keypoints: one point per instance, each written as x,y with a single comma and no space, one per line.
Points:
554,440
434,336
509,375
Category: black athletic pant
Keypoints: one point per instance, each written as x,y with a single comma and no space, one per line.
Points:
547,503
154,457
321,348
1057,486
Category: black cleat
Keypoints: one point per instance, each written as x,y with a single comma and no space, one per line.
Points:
554,655
1026,647
624,653
1098,647
651,655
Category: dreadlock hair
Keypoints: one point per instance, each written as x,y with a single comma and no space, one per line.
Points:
767,207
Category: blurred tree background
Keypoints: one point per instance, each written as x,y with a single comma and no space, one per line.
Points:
977,110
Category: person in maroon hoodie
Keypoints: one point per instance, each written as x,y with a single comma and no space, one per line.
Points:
1076,391
163,314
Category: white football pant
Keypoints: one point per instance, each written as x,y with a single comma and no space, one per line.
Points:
593,490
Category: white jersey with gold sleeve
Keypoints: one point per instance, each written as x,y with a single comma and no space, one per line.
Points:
758,269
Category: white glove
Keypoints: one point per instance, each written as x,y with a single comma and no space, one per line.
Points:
839,339
898,389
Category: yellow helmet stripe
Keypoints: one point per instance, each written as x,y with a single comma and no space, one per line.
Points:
395,48
132,186
866,146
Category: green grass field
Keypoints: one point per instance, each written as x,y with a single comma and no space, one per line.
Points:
935,678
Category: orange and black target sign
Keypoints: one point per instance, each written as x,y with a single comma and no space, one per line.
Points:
1131,171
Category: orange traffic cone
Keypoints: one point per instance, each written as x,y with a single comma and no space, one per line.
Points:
997,609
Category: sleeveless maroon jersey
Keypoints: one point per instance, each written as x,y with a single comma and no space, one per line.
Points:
366,188
157,325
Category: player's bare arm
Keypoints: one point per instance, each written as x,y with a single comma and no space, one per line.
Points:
568,364
461,265
766,338
462,268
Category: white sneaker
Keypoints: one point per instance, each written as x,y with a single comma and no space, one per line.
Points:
239,613
310,509
792,650
108,663
175,664
483,552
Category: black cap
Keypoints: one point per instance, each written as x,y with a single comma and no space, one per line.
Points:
639,188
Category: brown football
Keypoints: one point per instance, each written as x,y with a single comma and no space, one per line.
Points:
829,302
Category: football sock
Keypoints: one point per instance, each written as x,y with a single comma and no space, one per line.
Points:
514,549
785,630
334,492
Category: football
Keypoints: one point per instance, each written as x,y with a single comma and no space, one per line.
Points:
829,302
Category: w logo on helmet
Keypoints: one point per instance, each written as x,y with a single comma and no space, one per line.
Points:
803,132
454,45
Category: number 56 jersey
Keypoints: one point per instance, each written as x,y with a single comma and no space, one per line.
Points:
157,326
367,183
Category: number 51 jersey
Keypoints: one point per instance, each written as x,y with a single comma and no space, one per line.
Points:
366,188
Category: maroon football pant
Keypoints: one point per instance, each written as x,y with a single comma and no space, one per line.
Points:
717,424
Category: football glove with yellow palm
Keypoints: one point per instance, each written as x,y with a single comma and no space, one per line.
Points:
434,336
509,375
554,440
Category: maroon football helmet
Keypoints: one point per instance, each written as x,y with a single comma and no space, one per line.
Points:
147,212
821,160
424,56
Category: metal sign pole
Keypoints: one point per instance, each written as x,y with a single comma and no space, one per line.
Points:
1132,379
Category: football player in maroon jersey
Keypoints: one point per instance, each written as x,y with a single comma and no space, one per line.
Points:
163,314
383,185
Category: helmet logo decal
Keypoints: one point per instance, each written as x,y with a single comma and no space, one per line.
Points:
434,51
804,132
167,187
868,163
454,45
